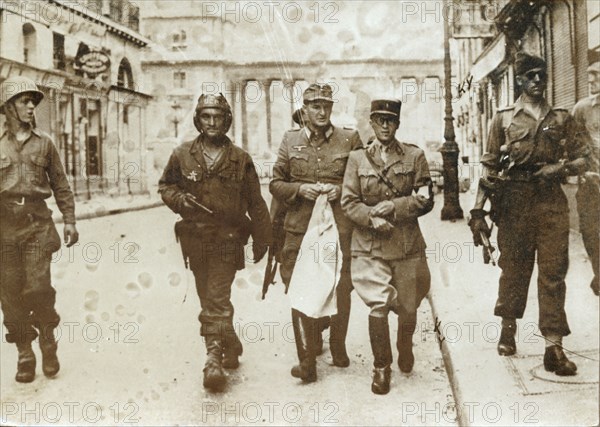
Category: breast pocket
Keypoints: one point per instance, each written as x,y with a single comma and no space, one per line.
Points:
403,177
38,166
298,165
369,185
339,162
7,173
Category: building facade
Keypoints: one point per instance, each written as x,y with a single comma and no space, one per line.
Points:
560,31
86,58
262,64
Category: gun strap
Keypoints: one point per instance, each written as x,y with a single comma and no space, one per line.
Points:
381,175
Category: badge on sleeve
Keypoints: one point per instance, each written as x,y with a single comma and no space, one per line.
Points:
192,176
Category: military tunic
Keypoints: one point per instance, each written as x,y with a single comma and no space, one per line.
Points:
534,215
30,172
214,244
303,158
389,271
587,114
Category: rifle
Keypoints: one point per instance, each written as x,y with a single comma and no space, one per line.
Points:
488,249
270,271
493,186
278,211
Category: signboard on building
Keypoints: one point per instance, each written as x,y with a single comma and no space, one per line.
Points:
93,62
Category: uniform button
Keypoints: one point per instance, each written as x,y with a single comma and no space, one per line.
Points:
318,160
318,148
387,193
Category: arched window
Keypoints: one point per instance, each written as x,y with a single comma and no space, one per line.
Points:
29,43
125,75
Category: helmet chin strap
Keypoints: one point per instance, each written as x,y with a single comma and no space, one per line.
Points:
14,123
217,140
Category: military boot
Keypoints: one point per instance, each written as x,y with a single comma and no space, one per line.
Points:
323,323
232,348
379,334
48,346
214,377
305,330
404,343
507,345
26,363
556,361
339,329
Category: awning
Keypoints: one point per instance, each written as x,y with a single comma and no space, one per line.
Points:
489,59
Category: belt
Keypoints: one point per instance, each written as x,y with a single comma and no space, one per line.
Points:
20,201
521,175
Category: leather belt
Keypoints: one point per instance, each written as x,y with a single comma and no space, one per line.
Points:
522,175
20,201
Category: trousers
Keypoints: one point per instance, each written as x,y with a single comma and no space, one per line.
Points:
588,208
534,219
26,293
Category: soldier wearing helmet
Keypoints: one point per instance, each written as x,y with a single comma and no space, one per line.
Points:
212,184
30,172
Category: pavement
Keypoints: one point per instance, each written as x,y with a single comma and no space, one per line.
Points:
102,205
131,353
494,390
486,389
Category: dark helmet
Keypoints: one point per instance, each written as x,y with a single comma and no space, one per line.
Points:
213,101
18,85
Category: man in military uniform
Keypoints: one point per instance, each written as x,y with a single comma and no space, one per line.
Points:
212,184
526,150
312,161
389,267
587,114
299,117
30,172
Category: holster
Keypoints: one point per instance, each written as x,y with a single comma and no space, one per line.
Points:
192,237
200,240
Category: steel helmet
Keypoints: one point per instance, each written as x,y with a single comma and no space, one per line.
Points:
18,85
213,101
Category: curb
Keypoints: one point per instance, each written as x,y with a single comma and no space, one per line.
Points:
91,215
452,377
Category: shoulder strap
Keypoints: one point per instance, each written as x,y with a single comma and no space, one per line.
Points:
382,176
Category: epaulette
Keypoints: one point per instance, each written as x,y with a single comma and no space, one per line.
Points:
510,107
412,145
294,130
348,128
560,109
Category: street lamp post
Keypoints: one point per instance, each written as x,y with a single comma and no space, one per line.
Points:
451,210
176,118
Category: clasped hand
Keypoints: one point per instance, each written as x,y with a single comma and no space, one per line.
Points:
312,191
377,216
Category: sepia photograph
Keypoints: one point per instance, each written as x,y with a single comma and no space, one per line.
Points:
299,213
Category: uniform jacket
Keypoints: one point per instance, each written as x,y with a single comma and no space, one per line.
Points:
231,189
529,143
587,114
406,167
299,162
34,170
